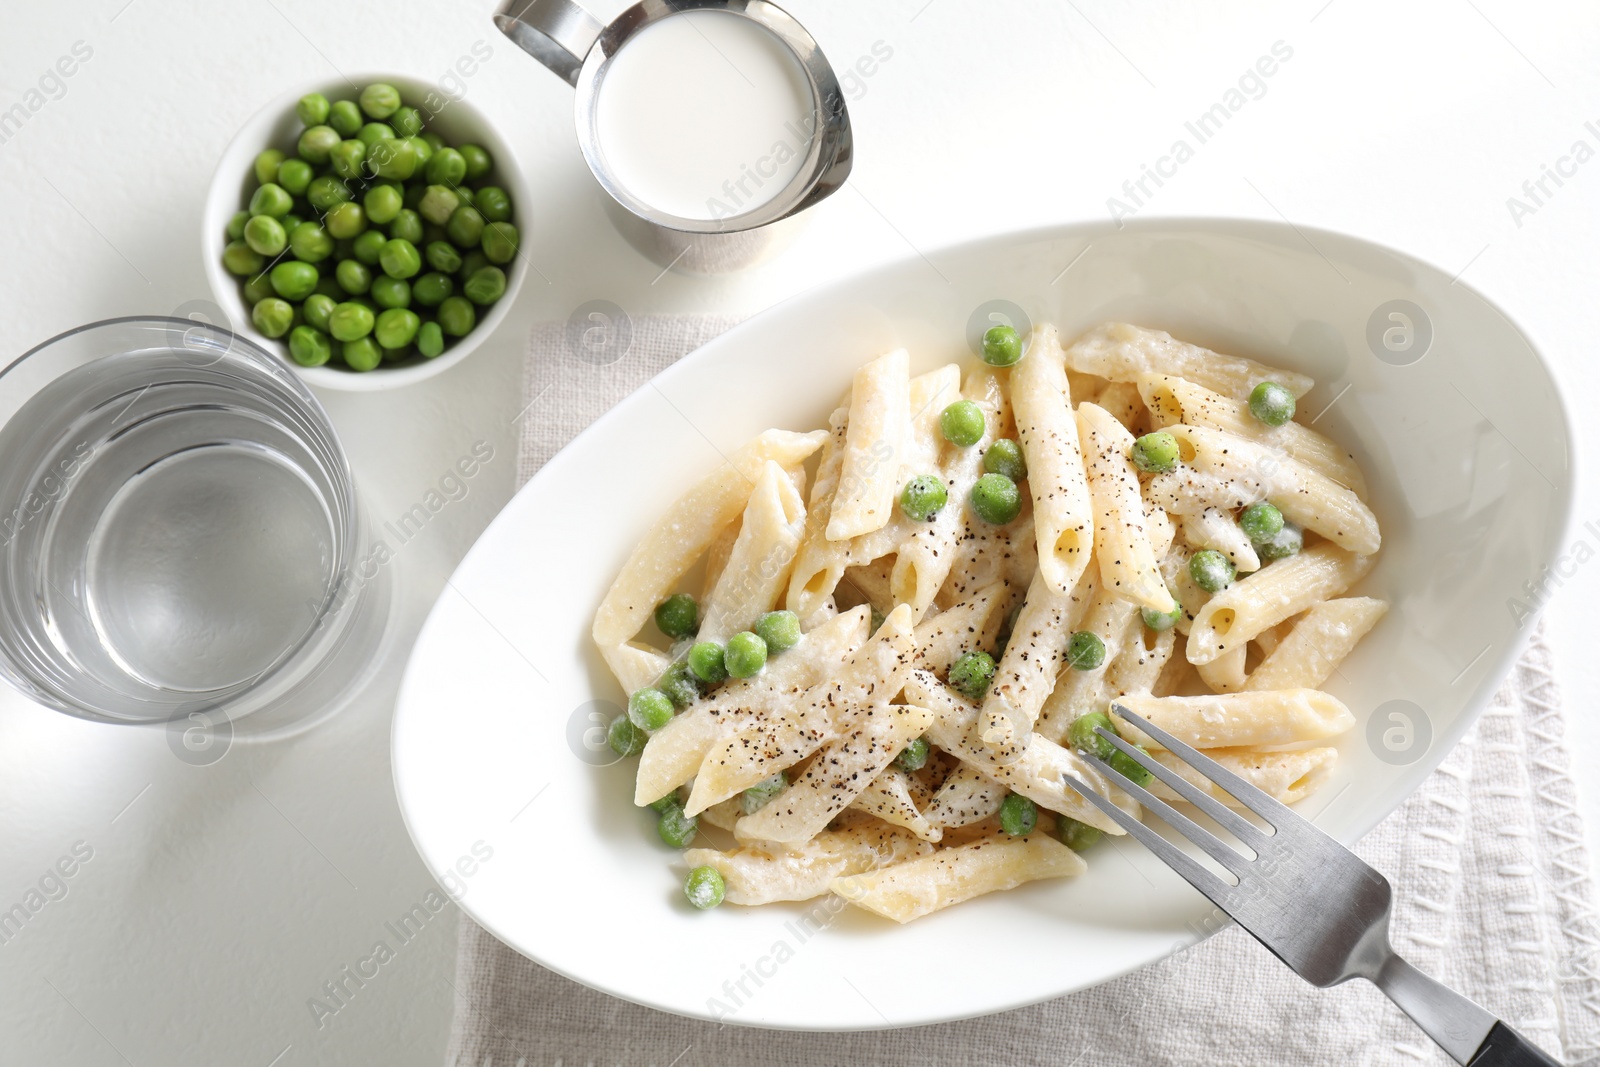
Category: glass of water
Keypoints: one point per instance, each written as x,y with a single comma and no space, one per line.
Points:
180,536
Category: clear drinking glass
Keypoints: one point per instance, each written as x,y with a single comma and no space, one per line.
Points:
180,534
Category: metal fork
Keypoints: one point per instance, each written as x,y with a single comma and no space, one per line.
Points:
1311,901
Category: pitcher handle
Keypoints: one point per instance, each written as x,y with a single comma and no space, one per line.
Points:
558,33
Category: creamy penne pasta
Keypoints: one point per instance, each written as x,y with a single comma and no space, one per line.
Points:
878,688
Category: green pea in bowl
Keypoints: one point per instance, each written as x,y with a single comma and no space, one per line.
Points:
398,275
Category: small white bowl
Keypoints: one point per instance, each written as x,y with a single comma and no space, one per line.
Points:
277,126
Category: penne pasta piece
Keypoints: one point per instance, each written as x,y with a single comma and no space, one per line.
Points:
819,564
759,562
870,739
986,553
968,796
1315,646
1225,674
1228,472
888,796
1137,668
1121,400
767,745
675,751
1039,774
1028,669
1216,529
1277,591
1077,692
754,876
1231,720
1287,777
870,583
1173,400
717,557
680,536
1063,520
635,665
972,624
874,447
1124,353
920,886
1128,562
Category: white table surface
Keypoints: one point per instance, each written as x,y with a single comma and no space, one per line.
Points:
219,899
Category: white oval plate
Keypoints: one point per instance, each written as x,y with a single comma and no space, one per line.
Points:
1466,448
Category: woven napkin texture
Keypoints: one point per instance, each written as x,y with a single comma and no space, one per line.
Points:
1488,860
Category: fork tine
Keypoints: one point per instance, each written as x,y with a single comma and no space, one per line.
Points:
1212,845
1276,814
1220,892
1228,819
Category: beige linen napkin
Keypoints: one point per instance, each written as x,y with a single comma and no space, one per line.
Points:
1488,861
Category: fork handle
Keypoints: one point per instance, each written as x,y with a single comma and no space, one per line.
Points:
1504,1047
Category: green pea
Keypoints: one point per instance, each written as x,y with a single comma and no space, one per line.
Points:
962,423
456,316
289,222
349,320
1001,346
1076,835
310,242
492,203
438,203
706,663
745,655
399,258
345,220
345,117
756,797
1005,457
392,158
354,277
312,109
1086,651
431,289
624,738
264,234
327,191
266,165
472,263
317,308
367,245
236,225
407,121
1287,542
272,317
704,887
1128,767
294,280
500,242
295,175
971,674
424,152
447,168
442,256
239,258
649,709
396,328
1211,570
486,286
922,497
677,681
373,132
995,498
1155,452
465,227
1081,734
675,828
407,226
467,196
678,616
309,346
390,292
1018,815
271,199
430,340
1261,522
362,354
914,756
346,158
477,160
1163,620
380,100
258,289
1271,403
779,629
435,142
316,144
